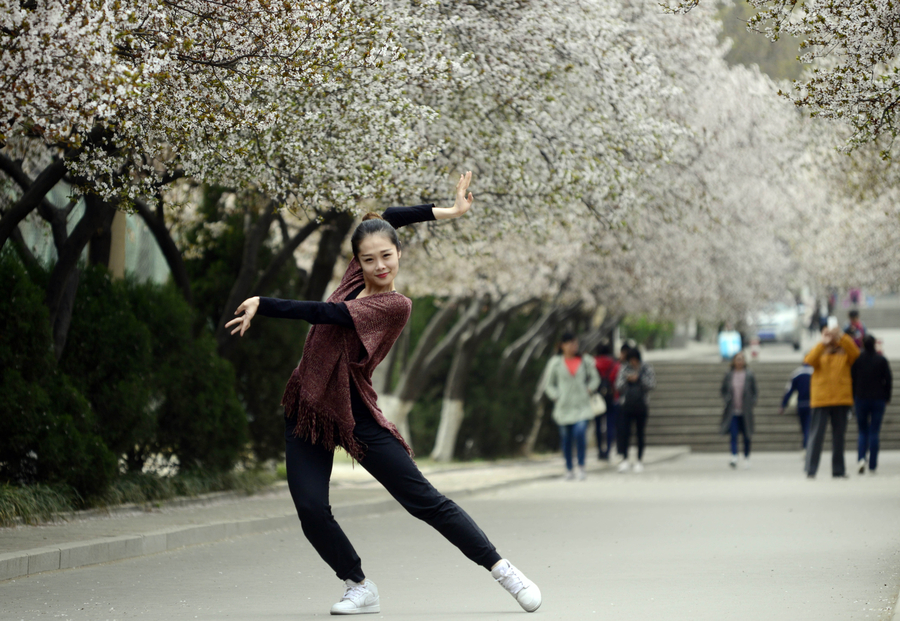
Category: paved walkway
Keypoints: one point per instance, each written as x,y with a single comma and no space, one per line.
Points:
689,539
98,537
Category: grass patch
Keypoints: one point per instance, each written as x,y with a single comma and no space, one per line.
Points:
33,504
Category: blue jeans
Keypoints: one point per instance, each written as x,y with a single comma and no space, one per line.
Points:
869,414
576,433
803,414
738,426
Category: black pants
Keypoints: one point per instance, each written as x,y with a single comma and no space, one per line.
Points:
817,426
309,473
636,413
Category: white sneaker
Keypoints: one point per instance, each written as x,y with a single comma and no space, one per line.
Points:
746,463
638,467
861,465
569,476
733,461
524,590
359,598
580,473
623,467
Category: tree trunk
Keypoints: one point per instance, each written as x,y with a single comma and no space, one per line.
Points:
32,197
243,284
452,411
539,410
396,410
327,255
169,249
98,216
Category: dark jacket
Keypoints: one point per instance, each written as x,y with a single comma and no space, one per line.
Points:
872,377
749,398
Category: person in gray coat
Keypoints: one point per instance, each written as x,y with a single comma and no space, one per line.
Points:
569,381
740,394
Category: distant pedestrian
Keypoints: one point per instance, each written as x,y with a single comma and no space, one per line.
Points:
570,380
608,369
634,383
856,329
740,393
729,343
872,384
799,385
831,396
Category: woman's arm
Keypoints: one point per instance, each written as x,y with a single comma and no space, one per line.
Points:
312,312
404,216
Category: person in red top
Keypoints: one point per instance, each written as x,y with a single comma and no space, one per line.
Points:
329,401
608,368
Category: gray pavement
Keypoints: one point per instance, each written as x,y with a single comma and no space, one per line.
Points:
687,539
96,537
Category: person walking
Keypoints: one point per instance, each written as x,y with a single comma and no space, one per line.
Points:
855,328
329,401
608,369
634,383
740,393
872,386
831,397
799,385
571,379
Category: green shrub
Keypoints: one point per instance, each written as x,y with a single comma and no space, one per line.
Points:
108,355
197,413
650,334
46,426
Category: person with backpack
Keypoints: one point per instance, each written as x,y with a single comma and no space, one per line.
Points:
633,383
608,368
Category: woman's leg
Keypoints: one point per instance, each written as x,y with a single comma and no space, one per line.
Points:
565,435
746,437
817,426
388,462
875,432
640,423
803,415
309,472
624,430
612,420
598,433
579,430
735,429
862,410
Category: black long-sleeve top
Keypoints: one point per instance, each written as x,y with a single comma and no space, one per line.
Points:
872,377
336,312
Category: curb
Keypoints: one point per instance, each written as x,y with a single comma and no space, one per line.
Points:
95,551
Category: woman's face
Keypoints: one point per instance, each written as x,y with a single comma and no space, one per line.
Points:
380,261
569,348
739,362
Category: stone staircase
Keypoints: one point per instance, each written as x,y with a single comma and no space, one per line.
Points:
686,409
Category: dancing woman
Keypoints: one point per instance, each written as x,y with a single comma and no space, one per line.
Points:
329,401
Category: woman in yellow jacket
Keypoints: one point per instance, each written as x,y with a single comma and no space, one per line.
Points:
831,397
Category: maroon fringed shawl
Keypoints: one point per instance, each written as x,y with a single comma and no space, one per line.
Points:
319,389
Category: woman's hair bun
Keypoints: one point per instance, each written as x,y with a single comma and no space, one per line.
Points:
372,216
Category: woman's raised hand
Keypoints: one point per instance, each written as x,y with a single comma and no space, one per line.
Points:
462,203
248,307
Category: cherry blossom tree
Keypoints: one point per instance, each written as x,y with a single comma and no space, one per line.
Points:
853,47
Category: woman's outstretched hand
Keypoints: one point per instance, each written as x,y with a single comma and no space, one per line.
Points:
248,307
463,202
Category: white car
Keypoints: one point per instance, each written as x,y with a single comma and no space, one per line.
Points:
779,322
